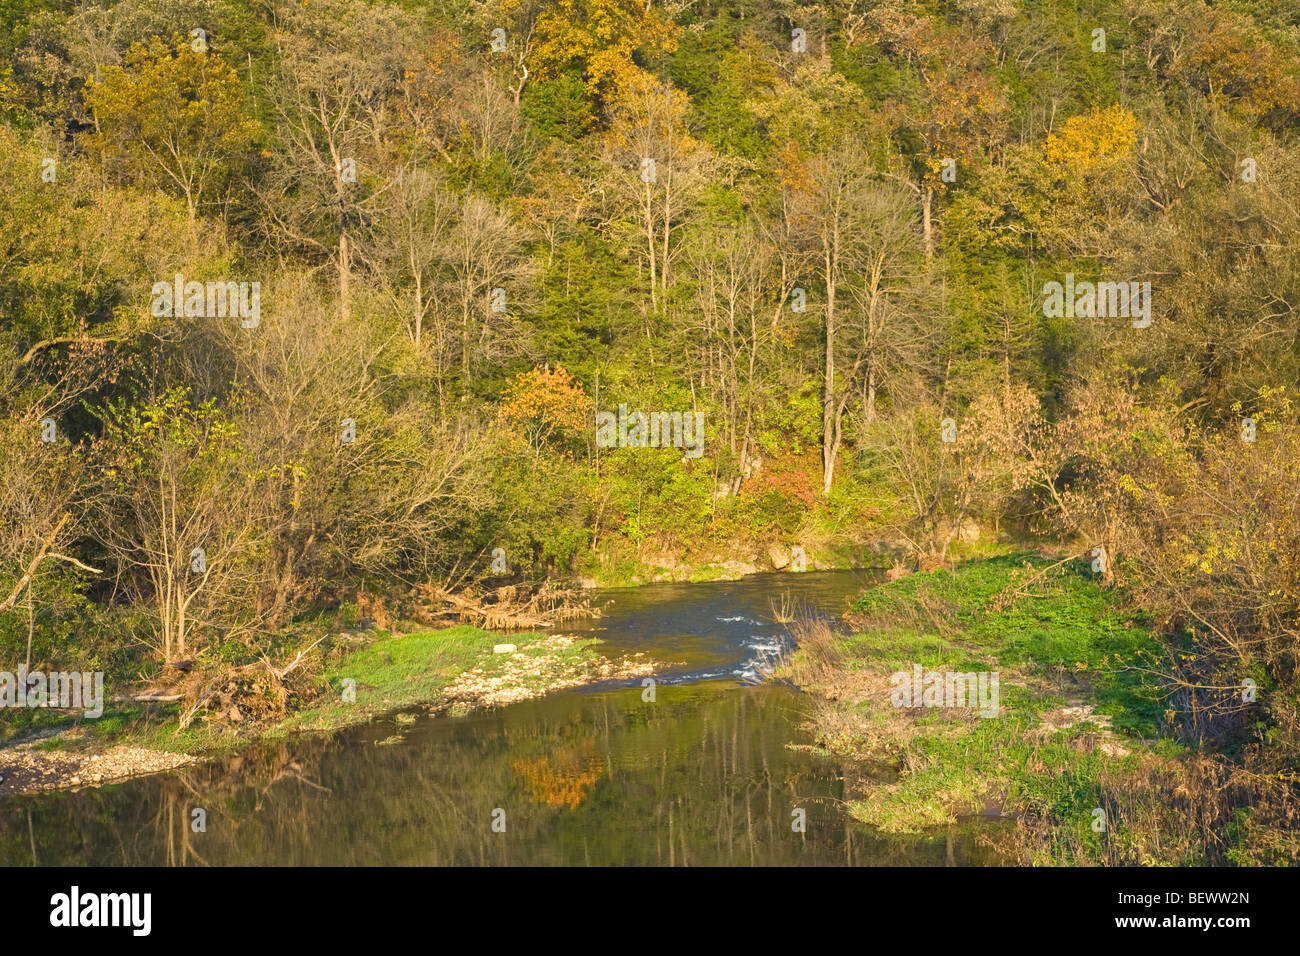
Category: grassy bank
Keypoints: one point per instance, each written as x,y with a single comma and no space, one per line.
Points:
1084,725
452,669
394,672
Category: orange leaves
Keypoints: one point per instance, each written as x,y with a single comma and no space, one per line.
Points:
963,107
792,485
563,780
543,406
793,169
1227,56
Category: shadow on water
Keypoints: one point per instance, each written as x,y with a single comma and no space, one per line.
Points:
701,775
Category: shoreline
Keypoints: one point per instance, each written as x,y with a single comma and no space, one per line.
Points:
70,758
53,757
1082,754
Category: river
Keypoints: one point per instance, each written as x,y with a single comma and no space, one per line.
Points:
714,770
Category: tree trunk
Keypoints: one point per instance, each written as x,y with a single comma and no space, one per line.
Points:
419,307
345,274
927,223
828,380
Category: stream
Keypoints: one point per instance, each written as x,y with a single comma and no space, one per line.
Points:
710,772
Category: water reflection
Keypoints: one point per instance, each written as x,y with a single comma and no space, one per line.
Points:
701,776
704,774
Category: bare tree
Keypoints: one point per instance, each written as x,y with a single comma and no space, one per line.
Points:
657,169
860,234
488,267
177,512
340,63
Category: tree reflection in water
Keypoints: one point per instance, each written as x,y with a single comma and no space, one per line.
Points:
703,776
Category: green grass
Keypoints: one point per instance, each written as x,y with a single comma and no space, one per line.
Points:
398,672
409,670
394,673
1064,641
24,721
1065,629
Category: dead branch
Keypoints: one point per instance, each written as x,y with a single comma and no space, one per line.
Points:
66,340
280,674
41,555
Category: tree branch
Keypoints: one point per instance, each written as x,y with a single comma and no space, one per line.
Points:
41,555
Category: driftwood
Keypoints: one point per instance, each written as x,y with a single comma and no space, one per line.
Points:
246,685
293,665
491,617
188,716
506,608
67,340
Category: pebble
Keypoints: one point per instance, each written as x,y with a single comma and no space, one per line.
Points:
27,768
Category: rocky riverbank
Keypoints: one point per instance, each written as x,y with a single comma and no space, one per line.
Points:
453,671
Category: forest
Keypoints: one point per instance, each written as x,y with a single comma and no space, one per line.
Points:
309,305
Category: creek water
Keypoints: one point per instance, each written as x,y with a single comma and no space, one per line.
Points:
710,772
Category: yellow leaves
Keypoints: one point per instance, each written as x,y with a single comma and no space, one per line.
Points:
1127,482
10,92
170,110
1273,406
601,36
1092,139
